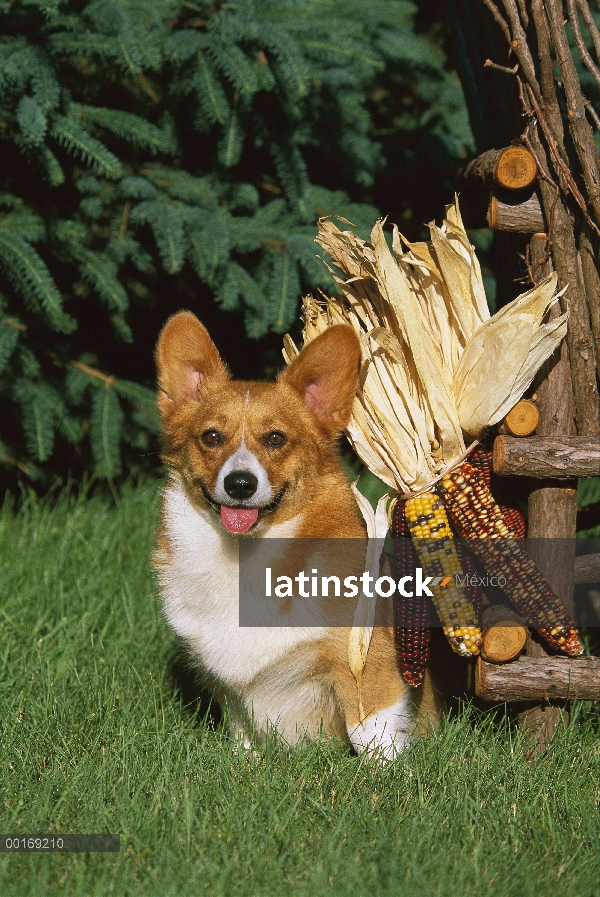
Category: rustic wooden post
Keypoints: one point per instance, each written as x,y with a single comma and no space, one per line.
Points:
552,507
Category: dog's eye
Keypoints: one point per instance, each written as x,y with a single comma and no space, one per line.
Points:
275,439
212,437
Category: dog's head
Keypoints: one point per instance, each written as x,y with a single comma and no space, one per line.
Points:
253,451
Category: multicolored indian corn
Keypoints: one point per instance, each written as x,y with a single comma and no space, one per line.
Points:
479,519
472,573
432,538
481,459
514,521
412,621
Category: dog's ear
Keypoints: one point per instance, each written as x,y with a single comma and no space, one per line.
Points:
186,357
325,373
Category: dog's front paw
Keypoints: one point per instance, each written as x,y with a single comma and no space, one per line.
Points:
385,733
242,743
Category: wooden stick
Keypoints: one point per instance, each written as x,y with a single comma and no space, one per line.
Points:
539,678
555,457
583,51
587,568
564,250
552,511
579,126
515,168
588,255
522,216
498,17
592,27
520,47
551,105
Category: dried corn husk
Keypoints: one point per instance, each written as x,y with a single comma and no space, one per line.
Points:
364,615
505,353
490,361
443,365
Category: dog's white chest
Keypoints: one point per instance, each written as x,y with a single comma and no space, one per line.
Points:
200,588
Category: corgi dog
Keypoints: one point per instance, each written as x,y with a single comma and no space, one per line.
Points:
255,461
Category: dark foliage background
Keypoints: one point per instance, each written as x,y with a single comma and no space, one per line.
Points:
171,154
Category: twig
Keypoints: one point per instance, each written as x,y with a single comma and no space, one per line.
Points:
124,220
499,18
148,88
488,64
524,14
16,324
565,259
545,176
563,169
520,47
592,112
551,104
580,128
592,27
583,50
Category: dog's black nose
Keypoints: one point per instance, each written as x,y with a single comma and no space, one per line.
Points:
240,484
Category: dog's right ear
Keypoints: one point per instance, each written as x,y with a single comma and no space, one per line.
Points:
186,357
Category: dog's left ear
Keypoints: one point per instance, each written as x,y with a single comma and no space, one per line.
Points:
186,358
326,376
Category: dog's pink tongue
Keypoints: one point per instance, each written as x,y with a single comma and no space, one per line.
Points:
238,520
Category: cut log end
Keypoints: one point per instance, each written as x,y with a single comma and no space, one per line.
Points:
503,642
511,168
515,168
523,419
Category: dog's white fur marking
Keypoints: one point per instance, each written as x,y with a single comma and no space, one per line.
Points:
387,731
243,459
200,590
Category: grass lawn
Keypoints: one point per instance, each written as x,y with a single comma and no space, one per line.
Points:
95,736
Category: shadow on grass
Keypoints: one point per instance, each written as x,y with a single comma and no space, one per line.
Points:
186,683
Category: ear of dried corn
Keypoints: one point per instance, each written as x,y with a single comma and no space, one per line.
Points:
412,624
434,544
